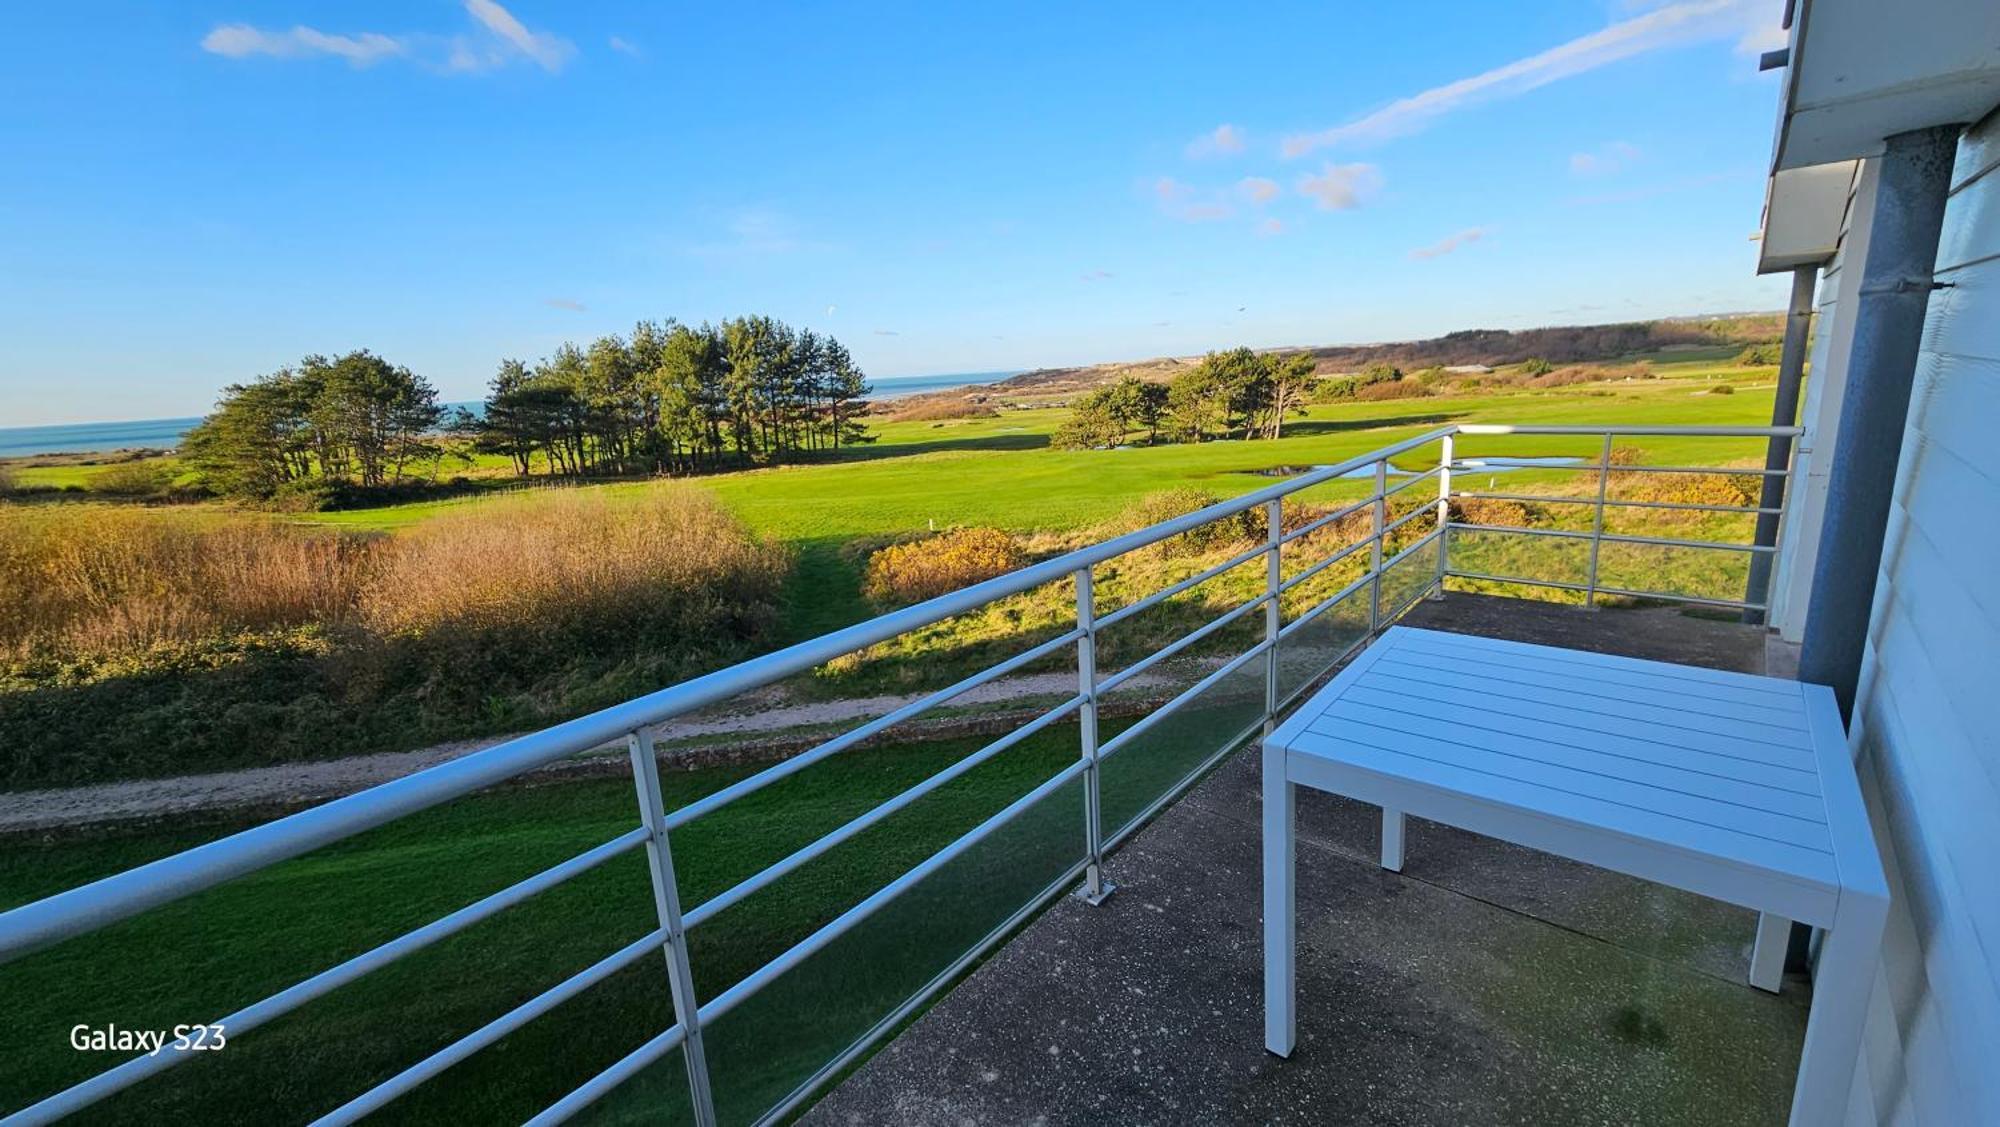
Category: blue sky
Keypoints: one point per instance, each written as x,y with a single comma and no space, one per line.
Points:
195,193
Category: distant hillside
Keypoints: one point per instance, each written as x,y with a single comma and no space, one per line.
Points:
1565,344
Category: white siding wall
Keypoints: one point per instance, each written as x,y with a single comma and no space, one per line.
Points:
1826,378
1927,725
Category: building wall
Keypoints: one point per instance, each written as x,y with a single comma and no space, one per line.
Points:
1925,729
1826,377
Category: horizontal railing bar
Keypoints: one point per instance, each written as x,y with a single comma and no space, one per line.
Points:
1413,479
1165,593
1347,654
1562,500
1154,717
381,1094
1323,605
1603,590
805,948
1414,546
894,1019
793,765
1328,562
1472,465
1319,522
1179,644
1633,431
125,894
113,1080
600,1085
1423,510
755,883
1617,537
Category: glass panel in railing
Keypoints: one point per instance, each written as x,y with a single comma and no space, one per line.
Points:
779,1038
1311,651
1176,746
1695,573
202,958
1407,577
656,1094
1522,557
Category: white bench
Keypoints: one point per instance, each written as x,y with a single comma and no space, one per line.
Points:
1723,784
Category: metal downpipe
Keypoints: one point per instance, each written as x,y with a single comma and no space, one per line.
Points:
1895,291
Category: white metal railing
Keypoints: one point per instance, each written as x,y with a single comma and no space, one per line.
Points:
104,902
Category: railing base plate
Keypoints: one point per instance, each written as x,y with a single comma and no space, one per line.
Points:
1103,894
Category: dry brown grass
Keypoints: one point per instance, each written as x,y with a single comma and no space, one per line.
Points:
935,565
937,409
99,580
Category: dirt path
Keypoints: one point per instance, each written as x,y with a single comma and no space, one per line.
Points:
295,783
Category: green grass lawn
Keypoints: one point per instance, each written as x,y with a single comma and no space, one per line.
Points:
198,959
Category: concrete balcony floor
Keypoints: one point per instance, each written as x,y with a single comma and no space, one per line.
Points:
1485,984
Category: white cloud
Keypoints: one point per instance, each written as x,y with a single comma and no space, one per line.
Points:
497,39
1450,243
1188,205
1341,187
1223,140
1604,160
240,41
1672,25
1098,275
564,303
1258,190
549,52
1271,227
625,47
755,233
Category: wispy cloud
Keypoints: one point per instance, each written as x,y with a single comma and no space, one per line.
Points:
1604,160
570,304
1098,275
1188,205
1223,140
625,47
1258,190
887,333
241,41
1450,243
549,52
495,39
1341,187
1669,26
1270,227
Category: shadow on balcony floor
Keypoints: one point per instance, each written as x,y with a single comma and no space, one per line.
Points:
1485,984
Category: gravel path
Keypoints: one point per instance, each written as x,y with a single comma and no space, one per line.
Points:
292,783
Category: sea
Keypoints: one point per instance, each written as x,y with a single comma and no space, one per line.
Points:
165,434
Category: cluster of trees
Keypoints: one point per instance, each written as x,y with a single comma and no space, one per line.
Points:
676,398
1235,394
669,398
353,419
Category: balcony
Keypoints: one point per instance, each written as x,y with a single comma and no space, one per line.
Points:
750,964
1486,983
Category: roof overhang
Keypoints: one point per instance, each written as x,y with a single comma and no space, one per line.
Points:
1859,71
1803,213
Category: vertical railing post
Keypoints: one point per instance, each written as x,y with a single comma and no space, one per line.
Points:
1444,512
1597,521
667,902
1381,510
1274,583
1095,887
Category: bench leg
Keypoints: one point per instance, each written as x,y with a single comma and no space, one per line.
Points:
1392,839
1842,983
1767,958
1280,906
